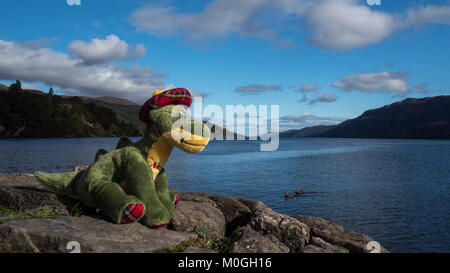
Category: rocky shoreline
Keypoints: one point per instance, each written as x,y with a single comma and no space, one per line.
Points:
45,222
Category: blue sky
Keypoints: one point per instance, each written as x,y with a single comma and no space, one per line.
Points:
345,55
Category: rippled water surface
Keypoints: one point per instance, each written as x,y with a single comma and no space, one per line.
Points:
396,191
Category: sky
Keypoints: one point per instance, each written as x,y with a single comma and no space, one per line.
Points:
321,61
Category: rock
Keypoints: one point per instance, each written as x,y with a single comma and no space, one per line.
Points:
14,179
80,168
314,249
92,233
250,226
232,209
198,197
252,205
236,213
324,246
286,229
30,197
199,212
246,240
336,235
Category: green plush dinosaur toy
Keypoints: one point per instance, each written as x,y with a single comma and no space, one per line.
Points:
130,184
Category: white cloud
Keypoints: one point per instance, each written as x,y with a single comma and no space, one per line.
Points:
380,81
428,15
196,93
304,98
75,76
320,97
257,88
309,87
219,18
344,24
36,44
335,25
394,82
73,2
330,97
421,88
105,50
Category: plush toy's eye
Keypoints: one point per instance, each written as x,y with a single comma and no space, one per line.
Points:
182,114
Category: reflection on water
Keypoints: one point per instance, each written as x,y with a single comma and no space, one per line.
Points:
396,191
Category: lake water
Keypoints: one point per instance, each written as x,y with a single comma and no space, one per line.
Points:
396,191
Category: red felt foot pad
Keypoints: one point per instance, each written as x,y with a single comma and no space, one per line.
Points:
158,226
132,212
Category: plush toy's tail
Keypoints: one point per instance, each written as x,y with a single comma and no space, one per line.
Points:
58,182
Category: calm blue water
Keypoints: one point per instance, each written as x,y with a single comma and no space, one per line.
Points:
396,191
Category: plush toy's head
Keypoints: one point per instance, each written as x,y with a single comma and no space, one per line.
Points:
167,117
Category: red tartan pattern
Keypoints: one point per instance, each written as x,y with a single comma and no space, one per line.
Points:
169,97
132,212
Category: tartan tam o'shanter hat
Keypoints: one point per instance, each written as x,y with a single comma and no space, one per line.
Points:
162,98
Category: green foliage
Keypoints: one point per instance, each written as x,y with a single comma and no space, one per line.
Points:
44,213
76,211
203,240
36,114
9,210
212,243
98,130
9,213
126,113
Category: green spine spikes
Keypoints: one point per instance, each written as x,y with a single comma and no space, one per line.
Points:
134,173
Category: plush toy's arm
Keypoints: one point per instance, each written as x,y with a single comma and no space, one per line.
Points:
140,184
162,188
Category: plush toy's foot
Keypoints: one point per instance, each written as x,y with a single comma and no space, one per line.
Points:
163,225
132,213
158,226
